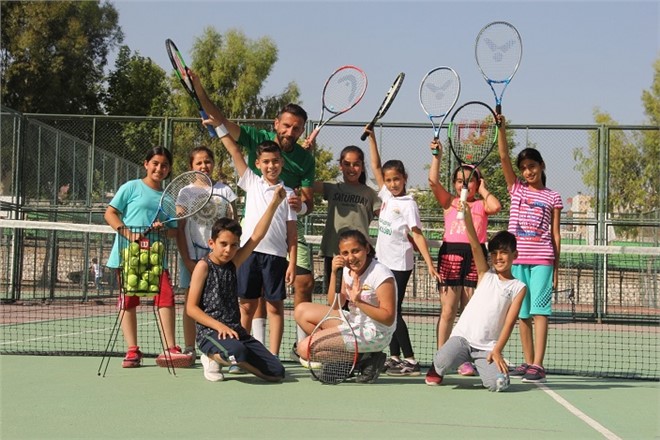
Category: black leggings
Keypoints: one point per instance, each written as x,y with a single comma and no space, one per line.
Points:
401,340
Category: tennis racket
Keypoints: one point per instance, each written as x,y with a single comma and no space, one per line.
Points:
389,99
472,136
176,204
342,91
438,93
217,207
182,73
331,357
498,51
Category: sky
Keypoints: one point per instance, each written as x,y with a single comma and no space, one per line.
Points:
577,56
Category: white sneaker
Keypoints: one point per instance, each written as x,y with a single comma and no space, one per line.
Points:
212,369
310,365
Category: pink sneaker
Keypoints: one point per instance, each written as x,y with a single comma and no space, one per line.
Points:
133,357
174,357
432,377
467,369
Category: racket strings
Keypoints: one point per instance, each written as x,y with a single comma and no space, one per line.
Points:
473,132
185,195
330,359
439,91
344,89
498,51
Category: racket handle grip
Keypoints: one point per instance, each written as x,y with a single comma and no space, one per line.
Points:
366,134
312,137
498,109
461,215
208,127
338,274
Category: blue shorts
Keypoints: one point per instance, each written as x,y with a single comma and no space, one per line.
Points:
247,350
262,273
538,279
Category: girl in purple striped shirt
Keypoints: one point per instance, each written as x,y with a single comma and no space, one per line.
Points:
534,220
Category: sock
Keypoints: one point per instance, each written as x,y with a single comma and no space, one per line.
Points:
259,329
301,333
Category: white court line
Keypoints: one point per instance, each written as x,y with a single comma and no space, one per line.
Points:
579,414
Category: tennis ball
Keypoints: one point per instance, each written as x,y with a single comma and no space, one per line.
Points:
143,285
157,269
134,261
134,248
154,258
132,280
144,275
154,288
158,247
144,258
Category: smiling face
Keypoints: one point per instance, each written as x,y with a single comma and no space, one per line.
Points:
355,254
270,165
158,168
351,166
394,181
532,172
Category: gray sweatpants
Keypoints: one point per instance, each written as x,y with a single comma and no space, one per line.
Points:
457,351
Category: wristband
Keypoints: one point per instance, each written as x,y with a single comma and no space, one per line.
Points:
221,131
303,209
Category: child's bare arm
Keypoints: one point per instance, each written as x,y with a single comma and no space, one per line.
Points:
477,253
505,333
503,149
375,157
441,195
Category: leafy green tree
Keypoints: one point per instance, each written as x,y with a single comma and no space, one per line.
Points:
53,54
633,169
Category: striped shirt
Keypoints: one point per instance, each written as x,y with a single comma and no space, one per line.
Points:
530,220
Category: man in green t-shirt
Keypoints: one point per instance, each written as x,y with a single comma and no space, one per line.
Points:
298,172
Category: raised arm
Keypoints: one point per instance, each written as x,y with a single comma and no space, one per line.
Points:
492,204
477,252
212,110
503,149
441,195
375,157
230,144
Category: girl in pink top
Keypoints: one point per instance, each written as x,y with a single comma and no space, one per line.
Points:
455,264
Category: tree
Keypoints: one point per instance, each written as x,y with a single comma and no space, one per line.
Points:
633,169
53,54
137,87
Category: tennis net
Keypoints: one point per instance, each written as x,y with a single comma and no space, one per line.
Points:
605,318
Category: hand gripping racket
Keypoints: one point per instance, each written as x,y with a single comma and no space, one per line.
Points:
472,136
182,73
389,99
342,91
438,93
498,50
332,353
176,204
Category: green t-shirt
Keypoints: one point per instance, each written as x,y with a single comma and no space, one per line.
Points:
298,168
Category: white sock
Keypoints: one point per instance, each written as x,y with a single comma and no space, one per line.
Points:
301,333
259,329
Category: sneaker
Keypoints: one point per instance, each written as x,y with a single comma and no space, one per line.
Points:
520,370
370,367
467,369
501,382
405,368
133,357
235,369
212,369
190,351
391,362
534,374
310,365
294,352
432,377
174,357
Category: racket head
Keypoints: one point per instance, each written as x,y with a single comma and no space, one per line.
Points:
498,51
344,89
181,69
333,354
387,102
472,132
185,195
438,93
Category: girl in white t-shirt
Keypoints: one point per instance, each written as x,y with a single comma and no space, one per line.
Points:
193,233
399,233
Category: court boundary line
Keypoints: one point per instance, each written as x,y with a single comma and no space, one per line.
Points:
579,414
